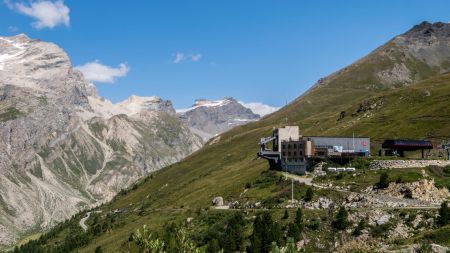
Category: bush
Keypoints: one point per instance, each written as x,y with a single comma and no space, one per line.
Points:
314,224
384,180
99,249
359,228
444,214
407,193
309,194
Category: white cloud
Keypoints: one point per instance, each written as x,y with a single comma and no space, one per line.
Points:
179,57
13,28
260,108
97,72
47,14
182,57
196,57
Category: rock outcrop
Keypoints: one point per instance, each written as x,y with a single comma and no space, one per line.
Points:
63,147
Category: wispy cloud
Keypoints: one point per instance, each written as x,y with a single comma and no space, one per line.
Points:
260,108
97,72
12,28
183,57
47,14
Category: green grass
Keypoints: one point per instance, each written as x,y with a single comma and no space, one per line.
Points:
441,176
225,167
362,179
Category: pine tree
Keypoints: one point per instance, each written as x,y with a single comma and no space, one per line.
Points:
299,219
444,214
99,249
341,221
213,246
384,180
293,232
265,231
309,194
286,214
359,228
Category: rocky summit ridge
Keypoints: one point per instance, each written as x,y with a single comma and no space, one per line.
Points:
209,118
63,147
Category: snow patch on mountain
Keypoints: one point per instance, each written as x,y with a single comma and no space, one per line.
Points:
260,108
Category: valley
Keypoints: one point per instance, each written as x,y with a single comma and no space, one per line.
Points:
400,90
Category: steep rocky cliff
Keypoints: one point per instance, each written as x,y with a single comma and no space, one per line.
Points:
63,147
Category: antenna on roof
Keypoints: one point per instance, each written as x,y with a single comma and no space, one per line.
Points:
286,114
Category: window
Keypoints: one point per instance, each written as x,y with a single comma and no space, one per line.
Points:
295,145
289,145
295,153
284,153
284,146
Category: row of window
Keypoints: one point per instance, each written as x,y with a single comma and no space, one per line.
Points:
295,153
294,160
289,146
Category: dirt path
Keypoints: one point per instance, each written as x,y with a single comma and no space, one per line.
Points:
84,219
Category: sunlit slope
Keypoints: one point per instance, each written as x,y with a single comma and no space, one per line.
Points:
224,166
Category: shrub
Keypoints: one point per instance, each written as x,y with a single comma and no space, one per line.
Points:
99,249
309,194
444,214
384,180
359,228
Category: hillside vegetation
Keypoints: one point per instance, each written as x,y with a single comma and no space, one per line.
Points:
353,100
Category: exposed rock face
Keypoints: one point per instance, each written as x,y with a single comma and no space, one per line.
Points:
64,148
420,53
423,190
212,117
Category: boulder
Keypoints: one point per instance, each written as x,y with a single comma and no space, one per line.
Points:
217,201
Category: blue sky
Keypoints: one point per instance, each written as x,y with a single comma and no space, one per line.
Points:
255,51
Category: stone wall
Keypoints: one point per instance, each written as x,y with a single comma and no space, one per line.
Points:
398,164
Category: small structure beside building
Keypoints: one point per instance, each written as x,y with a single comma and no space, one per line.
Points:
399,147
286,149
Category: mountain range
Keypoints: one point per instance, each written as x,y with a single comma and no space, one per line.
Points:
64,148
400,90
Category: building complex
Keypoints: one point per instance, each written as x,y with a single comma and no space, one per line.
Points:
286,149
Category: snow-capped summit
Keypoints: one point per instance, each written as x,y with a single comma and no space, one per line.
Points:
211,117
135,104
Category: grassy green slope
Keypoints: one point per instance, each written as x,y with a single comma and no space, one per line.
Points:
223,167
371,106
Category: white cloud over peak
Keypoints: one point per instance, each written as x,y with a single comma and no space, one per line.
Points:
97,72
260,108
182,57
47,14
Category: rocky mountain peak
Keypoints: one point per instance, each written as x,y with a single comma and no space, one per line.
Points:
426,29
211,117
135,104
62,148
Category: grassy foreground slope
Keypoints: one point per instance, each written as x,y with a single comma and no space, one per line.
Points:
353,100
226,164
